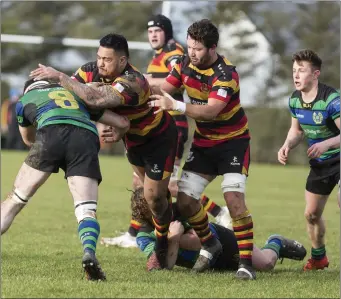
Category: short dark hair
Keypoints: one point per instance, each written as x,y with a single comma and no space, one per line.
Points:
204,32
116,42
309,56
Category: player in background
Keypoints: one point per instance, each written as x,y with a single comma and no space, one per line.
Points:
57,127
315,114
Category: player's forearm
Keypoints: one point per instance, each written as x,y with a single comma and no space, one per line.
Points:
94,98
112,119
197,112
294,137
28,135
333,143
173,249
155,84
201,112
28,142
80,89
167,87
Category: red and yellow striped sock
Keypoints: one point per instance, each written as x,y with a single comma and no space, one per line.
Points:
134,227
199,222
162,224
243,230
210,206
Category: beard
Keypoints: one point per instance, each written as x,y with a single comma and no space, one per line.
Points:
109,75
103,73
202,62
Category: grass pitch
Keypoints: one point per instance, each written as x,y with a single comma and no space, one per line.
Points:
41,254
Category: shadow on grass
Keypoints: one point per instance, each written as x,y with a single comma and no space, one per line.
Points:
331,273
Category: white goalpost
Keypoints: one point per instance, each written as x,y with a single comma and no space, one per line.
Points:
77,42
67,41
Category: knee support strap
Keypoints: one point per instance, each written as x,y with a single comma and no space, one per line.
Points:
233,182
85,209
20,197
192,184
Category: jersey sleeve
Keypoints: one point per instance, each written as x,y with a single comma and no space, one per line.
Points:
225,86
146,242
85,73
174,76
133,89
333,108
173,58
80,76
20,113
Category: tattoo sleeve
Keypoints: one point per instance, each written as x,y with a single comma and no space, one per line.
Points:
94,97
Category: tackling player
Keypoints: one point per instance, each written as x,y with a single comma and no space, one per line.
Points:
167,52
127,93
221,144
57,126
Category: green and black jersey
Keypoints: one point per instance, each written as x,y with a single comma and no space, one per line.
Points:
317,118
55,105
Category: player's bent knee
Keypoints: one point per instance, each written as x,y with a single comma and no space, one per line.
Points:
29,179
312,218
268,265
85,209
233,182
20,197
192,184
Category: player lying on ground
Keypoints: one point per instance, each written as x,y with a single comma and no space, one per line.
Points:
128,239
57,126
184,244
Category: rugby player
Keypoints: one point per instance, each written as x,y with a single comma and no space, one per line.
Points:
126,93
315,114
167,52
57,127
221,144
